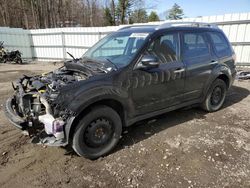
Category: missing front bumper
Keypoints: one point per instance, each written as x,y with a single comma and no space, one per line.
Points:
24,124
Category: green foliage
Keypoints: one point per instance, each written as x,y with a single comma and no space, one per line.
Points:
153,17
108,19
69,13
123,9
138,16
175,13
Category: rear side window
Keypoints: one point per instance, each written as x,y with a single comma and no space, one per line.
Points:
194,45
221,45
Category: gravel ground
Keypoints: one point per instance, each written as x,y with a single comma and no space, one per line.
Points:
184,148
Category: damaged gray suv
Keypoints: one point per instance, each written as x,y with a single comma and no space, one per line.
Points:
130,75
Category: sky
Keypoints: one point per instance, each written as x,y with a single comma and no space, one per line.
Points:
194,8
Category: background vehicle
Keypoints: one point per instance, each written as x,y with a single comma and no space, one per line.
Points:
12,56
133,74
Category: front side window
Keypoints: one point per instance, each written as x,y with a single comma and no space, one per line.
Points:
221,46
118,48
165,48
194,45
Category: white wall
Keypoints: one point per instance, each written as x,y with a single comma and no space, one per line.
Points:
48,43
52,44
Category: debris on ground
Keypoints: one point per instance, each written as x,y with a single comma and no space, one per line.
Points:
243,75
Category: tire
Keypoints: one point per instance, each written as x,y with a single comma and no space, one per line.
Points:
19,61
215,96
101,120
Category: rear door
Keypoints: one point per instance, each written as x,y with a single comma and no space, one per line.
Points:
223,51
197,56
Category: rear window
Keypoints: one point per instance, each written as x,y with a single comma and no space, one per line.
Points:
195,45
221,45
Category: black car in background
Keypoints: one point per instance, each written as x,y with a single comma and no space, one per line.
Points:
133,74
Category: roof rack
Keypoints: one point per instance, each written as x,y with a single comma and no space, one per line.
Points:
172,24
138,25
186,24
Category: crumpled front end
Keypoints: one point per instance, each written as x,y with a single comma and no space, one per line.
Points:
34,108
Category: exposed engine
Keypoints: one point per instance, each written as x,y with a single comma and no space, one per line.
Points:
34,99
39,101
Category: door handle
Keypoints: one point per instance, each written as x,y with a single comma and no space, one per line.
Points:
179,70
213,62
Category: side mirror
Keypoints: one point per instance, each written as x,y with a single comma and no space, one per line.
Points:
149,61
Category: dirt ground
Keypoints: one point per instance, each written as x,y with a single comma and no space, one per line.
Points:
185,148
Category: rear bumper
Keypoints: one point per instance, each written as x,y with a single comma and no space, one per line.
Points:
12,116
233,78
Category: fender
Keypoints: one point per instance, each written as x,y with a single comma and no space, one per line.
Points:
220,69
94,95
87,98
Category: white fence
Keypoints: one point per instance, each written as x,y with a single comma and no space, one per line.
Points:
52,44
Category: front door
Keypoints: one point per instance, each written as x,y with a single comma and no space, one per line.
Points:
161,87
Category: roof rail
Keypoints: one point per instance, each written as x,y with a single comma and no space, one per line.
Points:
138,25
186,24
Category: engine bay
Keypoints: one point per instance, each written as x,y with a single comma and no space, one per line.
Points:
34,101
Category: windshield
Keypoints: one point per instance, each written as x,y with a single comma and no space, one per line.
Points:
118,48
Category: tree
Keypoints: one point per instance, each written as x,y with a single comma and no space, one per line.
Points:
124,8
34,14
175,13
113,11
108,19
110,12
153,17
138,16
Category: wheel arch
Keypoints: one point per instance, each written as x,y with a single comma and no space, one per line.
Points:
219,72
225,78
112,103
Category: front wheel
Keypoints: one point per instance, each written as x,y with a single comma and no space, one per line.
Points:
215,96
97,133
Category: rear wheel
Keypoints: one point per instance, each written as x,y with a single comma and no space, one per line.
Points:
215,96
19,61
97,133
